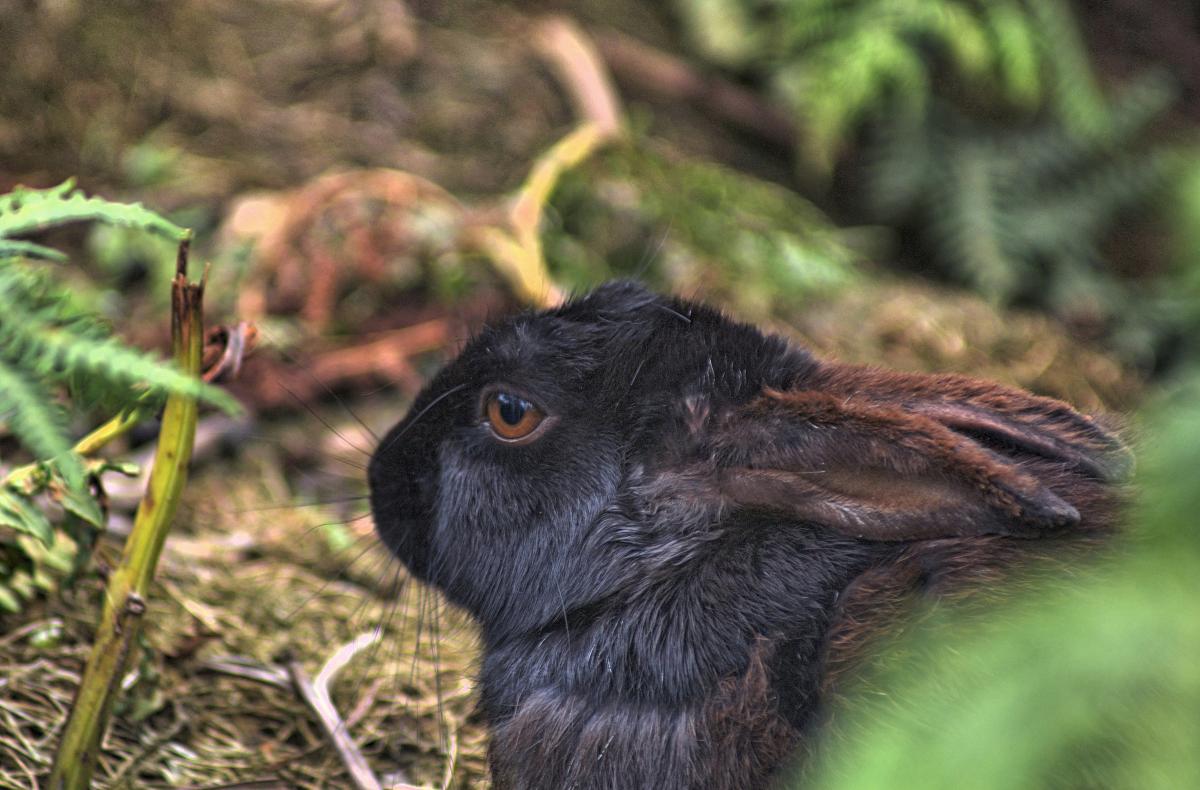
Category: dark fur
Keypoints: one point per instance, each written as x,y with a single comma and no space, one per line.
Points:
669,579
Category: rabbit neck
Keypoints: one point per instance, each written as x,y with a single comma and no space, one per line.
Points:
709,638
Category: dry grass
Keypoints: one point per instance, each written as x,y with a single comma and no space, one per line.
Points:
245,577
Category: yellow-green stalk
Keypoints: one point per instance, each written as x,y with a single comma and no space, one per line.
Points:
125,598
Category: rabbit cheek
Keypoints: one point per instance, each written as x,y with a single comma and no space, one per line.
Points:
506,539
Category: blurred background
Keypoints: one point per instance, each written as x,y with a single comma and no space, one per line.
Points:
1009,189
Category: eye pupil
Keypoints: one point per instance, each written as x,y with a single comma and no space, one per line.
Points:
512,418
512,408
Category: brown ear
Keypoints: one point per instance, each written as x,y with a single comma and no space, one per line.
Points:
902,458
1006,418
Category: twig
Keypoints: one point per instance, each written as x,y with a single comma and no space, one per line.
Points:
517,253
641,66
228,348
387,356
517,250
248,669
87,446
343,656
581,70
315,693
253,784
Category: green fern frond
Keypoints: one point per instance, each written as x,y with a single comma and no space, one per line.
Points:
1077,98
15,248
53,351
1079,211
969,227
25,211
24,516
31,566
834,88
1050,153
1016,53
722,29
36,420
839,63
1020,212
55,354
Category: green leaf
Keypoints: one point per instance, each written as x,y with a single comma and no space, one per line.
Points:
9,601
22,515
79,501
15,248
35,419
31,210
54,351
127,468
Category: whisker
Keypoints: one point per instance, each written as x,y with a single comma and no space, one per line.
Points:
421,599
375,391
443,729
317,503
389,614
323,421
340,575
323,386
359,539
651,254
421,414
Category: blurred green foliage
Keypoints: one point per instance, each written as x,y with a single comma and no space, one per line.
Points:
980,130
691,226
837,63
1092,683
1020,214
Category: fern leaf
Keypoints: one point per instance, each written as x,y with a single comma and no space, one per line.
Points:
43,334
36,420
1077,97
956,30
22,515
55,351
1087,204
1016,52
14,248
9,601
30,210
79,502
966,218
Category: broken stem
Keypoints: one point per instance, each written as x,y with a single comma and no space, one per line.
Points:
125,598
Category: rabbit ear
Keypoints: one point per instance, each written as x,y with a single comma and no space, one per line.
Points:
915,458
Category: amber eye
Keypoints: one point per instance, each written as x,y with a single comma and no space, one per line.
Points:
512,418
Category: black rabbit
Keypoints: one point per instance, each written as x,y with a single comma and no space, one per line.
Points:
675,530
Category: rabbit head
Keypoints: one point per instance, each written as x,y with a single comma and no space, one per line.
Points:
666,522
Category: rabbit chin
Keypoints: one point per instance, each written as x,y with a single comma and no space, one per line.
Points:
404,538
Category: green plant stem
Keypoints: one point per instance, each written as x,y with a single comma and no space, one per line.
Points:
125,599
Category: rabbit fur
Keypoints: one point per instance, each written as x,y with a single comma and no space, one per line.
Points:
670,577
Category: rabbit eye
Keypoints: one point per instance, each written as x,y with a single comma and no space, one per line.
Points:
512,418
